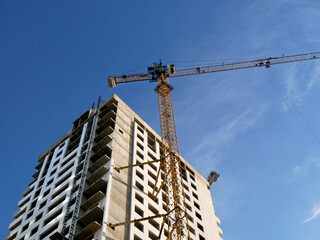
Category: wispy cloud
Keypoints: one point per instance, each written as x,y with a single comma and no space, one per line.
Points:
304,14
290,93
293,84
302,169
215,143
315,213
309,81
314,78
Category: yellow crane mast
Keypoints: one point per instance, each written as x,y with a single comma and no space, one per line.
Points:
172,165
176,217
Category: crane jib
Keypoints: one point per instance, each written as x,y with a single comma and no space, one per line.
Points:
266,62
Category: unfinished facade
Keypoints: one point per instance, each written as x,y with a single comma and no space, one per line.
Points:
77,193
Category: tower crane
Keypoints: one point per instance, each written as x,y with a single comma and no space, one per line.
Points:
176,217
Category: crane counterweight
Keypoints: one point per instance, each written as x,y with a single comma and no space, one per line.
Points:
111,82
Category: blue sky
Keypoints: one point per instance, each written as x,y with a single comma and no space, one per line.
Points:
259,128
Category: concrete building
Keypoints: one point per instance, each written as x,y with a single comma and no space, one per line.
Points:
76,191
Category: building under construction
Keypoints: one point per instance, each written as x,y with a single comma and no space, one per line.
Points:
82,188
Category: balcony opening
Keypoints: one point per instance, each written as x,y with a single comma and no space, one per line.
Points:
139,211
200,227
153,209
152,236
198,216
139,198
139,225
154,223
140,186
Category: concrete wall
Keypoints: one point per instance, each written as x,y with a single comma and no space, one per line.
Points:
127,193
131,147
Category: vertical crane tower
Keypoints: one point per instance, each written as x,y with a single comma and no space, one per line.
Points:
176,216
172,165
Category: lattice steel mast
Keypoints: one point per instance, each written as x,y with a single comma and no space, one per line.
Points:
172,164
